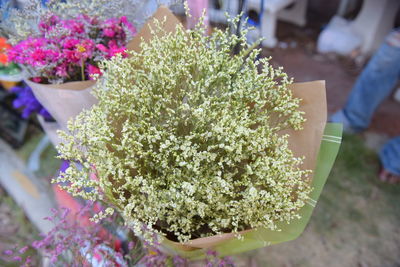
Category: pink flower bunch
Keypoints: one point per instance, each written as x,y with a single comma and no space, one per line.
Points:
87,243
70,49
91,244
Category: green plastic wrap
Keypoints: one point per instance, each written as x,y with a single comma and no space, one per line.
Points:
262,237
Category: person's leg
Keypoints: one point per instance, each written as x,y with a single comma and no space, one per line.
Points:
390,158
373,85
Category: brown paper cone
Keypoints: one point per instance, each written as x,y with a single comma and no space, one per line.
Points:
145,33
304,143
64,101
50,128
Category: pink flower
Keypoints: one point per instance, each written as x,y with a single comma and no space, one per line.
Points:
112,49
62,46
74,25
130,27
36,79
114,28
92,70
85,48
48,22
39,56
70,43
109,32
62,70
75,51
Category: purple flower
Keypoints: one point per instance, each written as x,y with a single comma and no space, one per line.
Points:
28,102
8,252
17,258
179,261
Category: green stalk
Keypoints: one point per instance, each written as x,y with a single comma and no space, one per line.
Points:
82,70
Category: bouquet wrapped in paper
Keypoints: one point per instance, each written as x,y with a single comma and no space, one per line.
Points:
61,50
207,149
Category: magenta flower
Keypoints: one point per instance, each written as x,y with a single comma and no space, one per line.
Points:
62,70
70,43
48,22
37,79
92,70
124,21
112,49
75,26
71,54
108,32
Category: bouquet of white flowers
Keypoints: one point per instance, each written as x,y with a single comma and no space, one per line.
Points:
196,144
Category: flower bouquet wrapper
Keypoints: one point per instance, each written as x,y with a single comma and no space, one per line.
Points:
64,101
50,128
318,142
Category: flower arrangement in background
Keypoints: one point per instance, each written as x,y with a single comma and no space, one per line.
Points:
26,100
67,238
188,142
70,49
18,24
74,242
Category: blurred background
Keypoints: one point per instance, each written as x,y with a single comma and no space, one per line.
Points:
351,44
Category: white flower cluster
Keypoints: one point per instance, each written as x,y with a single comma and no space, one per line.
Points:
187,140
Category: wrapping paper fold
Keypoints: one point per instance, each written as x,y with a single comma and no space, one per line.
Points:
64,101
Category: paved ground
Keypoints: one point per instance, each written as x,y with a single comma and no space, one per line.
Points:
30,192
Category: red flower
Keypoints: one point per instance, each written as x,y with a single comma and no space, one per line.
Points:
4,46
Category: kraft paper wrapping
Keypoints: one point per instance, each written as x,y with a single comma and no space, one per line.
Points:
227,244
50,128
304,143
64,101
